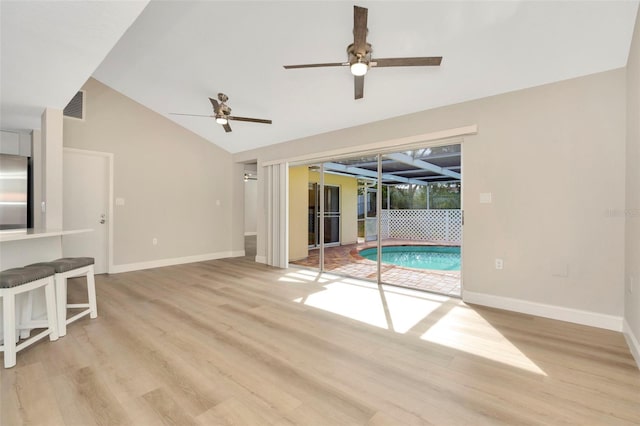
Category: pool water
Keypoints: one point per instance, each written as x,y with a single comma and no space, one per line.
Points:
441,258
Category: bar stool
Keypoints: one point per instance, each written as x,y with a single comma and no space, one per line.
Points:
21,280
71,267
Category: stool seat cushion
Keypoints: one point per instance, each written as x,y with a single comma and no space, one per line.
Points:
18,276
68,263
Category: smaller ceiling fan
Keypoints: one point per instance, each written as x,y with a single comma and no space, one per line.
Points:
359,55
221,112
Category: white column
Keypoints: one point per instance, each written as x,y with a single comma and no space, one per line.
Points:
52,155
37,157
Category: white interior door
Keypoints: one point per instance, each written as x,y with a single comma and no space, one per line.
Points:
86,200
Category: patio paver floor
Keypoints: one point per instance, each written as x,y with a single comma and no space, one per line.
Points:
345,260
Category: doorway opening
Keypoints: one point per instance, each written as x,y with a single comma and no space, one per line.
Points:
250,208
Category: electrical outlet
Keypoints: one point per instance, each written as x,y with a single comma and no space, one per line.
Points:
499,264
154,241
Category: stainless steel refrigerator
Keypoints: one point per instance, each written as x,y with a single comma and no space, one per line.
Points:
14,191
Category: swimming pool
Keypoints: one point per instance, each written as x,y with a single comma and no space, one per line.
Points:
441,258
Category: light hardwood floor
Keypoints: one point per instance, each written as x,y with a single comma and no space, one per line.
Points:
235,342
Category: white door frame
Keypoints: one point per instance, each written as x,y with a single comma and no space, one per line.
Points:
110,219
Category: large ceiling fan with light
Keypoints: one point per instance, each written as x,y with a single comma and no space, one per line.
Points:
359,55
222,113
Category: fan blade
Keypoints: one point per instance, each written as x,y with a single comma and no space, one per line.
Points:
191,115
226,127
329,64
358,82
407,62
253,120
360,30
215,104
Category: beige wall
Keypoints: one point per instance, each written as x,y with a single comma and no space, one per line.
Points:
348,204
171,181
553,158
632,231
298,212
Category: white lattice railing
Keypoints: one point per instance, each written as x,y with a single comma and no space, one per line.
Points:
421,224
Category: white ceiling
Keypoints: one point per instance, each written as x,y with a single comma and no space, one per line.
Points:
49,49
176,54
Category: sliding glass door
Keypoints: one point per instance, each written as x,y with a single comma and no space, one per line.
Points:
391,218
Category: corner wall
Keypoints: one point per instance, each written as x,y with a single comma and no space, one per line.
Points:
632,210
553,158
175,184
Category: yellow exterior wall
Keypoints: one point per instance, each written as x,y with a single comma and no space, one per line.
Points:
348,204
299,179
298,212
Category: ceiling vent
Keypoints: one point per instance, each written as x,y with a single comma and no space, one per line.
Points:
75,108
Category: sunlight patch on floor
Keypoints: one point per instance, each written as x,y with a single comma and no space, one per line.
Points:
464,329
303,276
399,309
386,307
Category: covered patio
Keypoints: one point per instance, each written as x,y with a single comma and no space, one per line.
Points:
414,200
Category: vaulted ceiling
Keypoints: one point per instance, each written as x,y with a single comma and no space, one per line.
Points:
172,56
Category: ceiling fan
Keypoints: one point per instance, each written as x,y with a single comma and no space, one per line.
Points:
221,112
359,55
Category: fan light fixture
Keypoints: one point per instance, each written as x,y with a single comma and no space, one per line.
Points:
359,57
359,68
221,120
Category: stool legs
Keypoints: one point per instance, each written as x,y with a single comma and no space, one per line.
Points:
9,329
10,345
91,291
52,319
61,304
61,297
27,314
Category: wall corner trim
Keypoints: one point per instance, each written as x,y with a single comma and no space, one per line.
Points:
159,263
561,313
632,341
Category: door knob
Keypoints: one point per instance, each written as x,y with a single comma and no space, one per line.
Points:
102,219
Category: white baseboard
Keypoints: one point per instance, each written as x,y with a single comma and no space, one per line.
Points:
261,259
128,267
248,234
577,316
632,341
